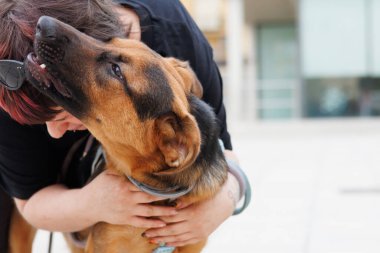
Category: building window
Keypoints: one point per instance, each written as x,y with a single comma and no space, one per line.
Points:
277,51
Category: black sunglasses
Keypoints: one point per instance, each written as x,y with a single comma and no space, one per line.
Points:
12,74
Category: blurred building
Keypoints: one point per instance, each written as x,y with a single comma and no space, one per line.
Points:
284,59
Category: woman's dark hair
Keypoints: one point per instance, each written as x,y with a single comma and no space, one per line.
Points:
18,19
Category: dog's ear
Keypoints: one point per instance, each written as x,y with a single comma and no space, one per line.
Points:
190,80
178,140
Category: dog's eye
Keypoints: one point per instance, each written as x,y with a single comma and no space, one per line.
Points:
117,71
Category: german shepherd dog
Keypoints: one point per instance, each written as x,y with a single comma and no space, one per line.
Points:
144,109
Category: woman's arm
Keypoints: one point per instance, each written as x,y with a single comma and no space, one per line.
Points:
196,222
109,198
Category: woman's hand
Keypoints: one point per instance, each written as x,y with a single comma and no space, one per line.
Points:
113,199
196,222
109,197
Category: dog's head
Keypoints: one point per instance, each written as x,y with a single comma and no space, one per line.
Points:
134,101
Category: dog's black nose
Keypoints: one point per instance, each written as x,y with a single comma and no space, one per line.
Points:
46,28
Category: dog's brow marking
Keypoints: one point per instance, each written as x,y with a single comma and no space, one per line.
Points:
107,56
103,57
158,97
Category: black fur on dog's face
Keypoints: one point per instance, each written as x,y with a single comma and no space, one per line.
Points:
134,101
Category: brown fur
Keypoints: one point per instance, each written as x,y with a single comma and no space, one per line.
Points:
21,234
146,121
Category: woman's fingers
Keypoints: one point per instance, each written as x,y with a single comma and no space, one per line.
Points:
169,230
147,210
174,218
143,198
142,222
171,239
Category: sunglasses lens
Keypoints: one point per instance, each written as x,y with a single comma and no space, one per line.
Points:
11,74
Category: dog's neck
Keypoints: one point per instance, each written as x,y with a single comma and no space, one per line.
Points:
209,170
210,164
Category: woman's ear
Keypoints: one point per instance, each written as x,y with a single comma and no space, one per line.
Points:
190,80
178,140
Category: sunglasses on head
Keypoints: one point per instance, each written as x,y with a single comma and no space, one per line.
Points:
12,74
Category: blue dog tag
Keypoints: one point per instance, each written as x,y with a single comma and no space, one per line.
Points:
164,249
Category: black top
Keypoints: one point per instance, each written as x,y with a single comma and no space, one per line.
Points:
31,160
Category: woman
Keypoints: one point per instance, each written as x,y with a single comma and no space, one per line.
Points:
31,154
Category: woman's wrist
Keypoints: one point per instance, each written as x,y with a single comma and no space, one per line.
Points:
244,188
87,205
244,185
232,190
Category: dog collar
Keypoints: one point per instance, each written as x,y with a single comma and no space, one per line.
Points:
171,193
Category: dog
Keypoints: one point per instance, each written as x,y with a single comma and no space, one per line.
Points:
144,109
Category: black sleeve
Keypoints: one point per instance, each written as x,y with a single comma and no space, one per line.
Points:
30,159
168,29
23,159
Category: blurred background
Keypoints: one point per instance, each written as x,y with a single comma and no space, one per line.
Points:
302,91
289,59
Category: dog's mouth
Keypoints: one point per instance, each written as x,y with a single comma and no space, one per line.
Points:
45,77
